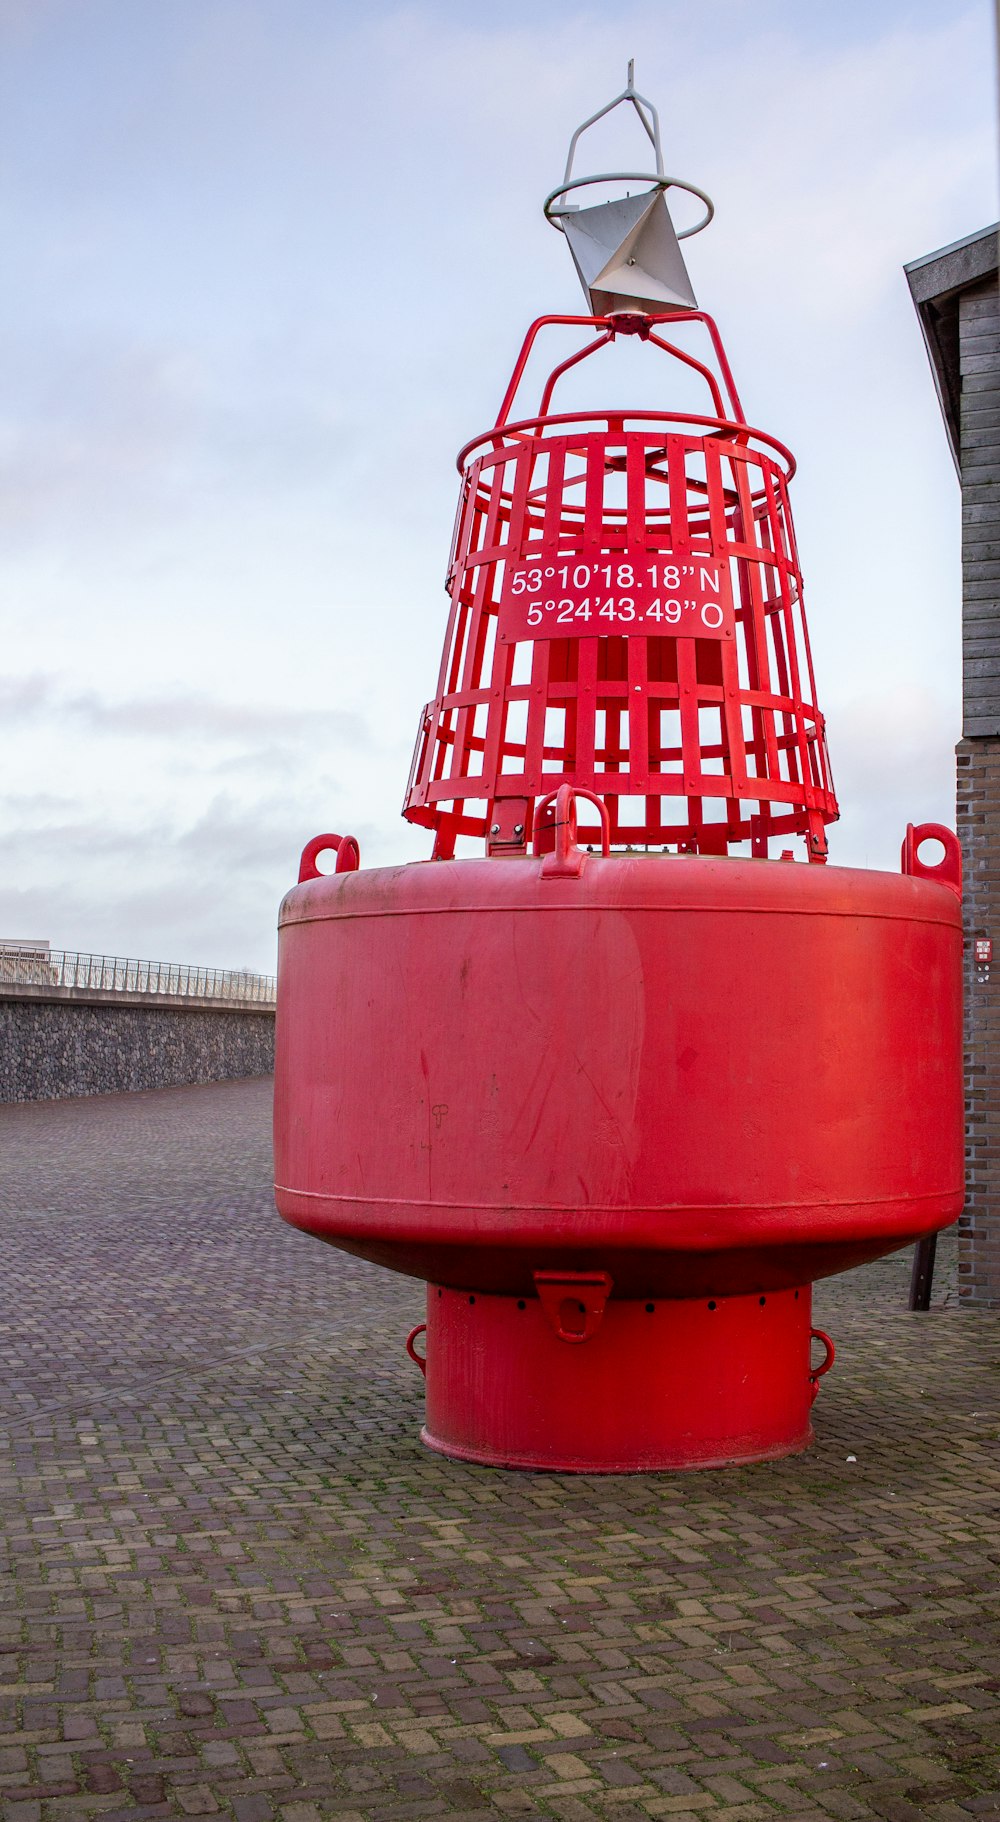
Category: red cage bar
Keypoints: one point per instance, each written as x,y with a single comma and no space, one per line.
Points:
626,617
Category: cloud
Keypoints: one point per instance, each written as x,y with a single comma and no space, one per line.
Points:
23,698
893,763
209,719
30,805
206,890
177,714
107,425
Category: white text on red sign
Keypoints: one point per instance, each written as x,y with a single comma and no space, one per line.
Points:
594,593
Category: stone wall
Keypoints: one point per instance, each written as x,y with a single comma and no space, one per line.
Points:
51,1048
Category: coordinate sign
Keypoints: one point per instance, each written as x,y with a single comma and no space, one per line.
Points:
624,592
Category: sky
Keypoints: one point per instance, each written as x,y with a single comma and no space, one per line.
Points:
267,266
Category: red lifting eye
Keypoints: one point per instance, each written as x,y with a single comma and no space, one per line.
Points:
343,846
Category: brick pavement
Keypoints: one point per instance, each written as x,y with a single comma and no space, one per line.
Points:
240,1587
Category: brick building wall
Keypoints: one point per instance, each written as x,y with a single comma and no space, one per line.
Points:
979,832
978,757
957,298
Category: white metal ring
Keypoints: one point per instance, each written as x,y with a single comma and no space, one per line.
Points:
659,183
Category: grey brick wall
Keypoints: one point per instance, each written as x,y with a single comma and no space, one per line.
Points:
53,1049
978,756
979,833
979,356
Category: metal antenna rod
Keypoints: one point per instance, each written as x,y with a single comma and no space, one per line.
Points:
556,206
650,121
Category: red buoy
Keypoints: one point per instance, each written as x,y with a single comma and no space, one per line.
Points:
621,1090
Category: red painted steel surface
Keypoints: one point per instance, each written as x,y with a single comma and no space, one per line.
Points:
620,1108
701,1075
501,1388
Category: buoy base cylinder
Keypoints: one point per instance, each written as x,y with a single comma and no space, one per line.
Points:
705,1383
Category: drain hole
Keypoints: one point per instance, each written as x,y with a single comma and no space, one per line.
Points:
521,1304
650,1307
712,1304
762,1301
472,1299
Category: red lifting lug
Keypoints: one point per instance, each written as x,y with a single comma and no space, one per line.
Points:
948,870
419,1360
574,1301
816,1373
555,832
344,846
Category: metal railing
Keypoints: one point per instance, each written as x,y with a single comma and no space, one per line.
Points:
42,967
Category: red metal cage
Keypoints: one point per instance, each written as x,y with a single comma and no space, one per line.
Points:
626,617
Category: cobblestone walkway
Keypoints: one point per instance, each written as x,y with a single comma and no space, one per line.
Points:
239,1586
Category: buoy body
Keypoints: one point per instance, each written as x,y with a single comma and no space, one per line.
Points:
710,1080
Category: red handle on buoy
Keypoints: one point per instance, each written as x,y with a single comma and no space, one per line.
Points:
344,846
421,1359
945,872
565,857
830,1356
